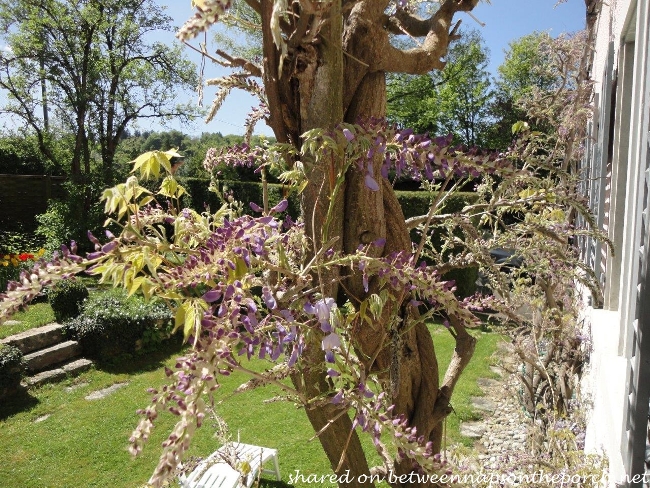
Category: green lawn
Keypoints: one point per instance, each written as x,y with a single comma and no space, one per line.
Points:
83,443
34,316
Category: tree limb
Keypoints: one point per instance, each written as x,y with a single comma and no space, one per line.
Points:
412,25
255,5
271,75
299,32
237,62
429,56
465,345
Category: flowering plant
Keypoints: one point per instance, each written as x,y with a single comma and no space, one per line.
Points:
336,302
243,287
11,265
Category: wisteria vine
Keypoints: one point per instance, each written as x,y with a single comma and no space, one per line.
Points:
243,287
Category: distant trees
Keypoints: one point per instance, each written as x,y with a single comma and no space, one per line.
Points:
527,66
464,100
19,154
90,69
192,148
455,100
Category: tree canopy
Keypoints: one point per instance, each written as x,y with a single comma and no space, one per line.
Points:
89,68
455,100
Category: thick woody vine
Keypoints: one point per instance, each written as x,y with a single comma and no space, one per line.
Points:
337,301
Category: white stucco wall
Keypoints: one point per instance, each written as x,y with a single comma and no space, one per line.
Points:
603,391
612,21
603,385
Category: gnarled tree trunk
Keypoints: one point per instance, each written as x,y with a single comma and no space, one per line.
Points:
338,75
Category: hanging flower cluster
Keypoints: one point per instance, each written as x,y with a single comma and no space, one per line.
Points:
243,287
379,149
207,13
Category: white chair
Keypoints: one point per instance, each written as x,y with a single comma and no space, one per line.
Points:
218,470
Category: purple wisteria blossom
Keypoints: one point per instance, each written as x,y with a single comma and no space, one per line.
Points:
323,309
330,342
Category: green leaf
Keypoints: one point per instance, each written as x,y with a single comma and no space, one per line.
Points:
363,310
136,284
170,188
189,316
376,305
519,126
241,270
282,256
150,163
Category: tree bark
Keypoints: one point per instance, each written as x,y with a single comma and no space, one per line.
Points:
318,85
339,76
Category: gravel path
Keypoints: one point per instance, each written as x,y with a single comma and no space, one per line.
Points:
504,427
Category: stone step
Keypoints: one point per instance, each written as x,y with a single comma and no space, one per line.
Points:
54,355
35,339
473,430
71,368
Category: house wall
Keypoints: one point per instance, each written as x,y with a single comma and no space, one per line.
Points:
617,383
603,391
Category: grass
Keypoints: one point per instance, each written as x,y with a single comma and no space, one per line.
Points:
83,443
34,316
479,367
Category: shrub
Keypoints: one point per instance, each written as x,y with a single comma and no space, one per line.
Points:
66,297
53,226
465,279
72,216
415,203
12,368
112,324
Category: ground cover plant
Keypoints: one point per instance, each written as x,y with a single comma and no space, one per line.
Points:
83,443
338,300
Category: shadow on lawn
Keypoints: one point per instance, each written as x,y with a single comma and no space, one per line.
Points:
274,484
21,401
141,362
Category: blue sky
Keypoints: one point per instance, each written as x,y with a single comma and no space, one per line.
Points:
505,21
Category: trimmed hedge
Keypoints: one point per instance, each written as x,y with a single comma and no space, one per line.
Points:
414,203
66,297
112,324
12,368
201,197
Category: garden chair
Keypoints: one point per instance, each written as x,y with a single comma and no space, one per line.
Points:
234,465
